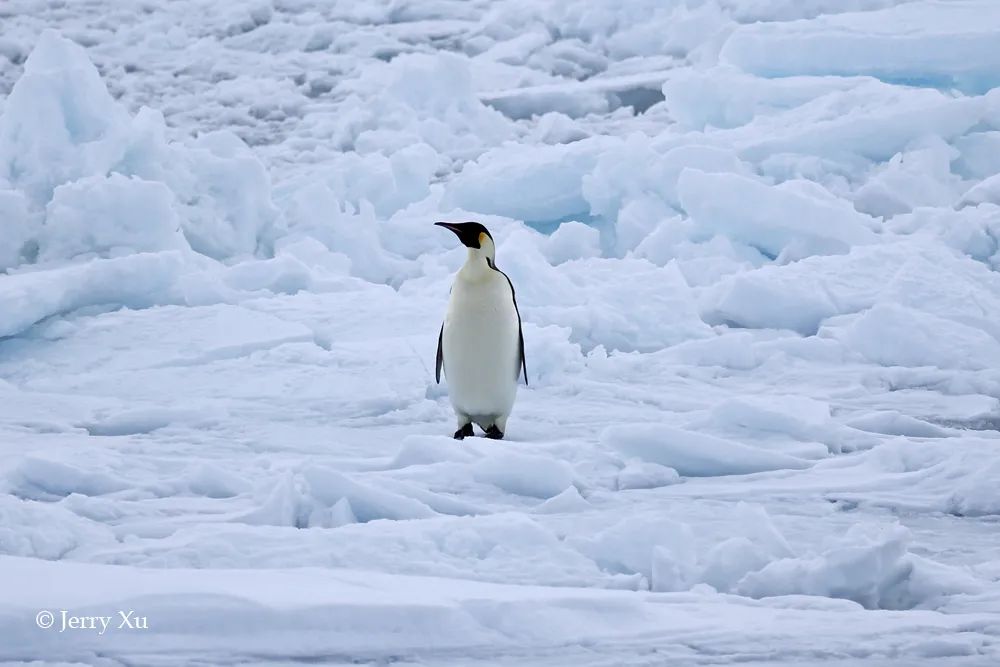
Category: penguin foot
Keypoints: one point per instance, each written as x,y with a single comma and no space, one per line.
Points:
494,433
464,432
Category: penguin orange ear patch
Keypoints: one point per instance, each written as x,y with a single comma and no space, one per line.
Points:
482,238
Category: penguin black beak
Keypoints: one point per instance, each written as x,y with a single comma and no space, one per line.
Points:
448,225
461,232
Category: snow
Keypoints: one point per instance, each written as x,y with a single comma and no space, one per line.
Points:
14,210
693,454
572,240
759,215
754,245
473,622
894,335
863,569
111,215
569,500
976,494
537,183
136,281
639,474
942,43
524,474
657,548
65,140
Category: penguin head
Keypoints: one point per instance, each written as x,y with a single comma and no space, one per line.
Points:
474,236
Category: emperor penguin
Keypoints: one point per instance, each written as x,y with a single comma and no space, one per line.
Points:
480,345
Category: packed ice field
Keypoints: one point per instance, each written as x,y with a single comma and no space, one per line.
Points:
755,245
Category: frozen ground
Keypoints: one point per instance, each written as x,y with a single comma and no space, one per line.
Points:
756,246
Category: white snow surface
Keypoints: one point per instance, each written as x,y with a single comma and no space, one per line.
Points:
755,245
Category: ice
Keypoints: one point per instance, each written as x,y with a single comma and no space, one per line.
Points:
790,10
527,102
66,144
917,177
41,530
131,422
556,356
569,500
875,555
639,474
869,565
894,335
424,97
880,123
658,548
969,230
429,619
768,298
524,474
109,216
756,525
556,128
614,191
732,98
138,281
424,450
800,419
977,154
42,479
799,298
582,296
544,185
212,481
977,492
936,648
16,230
327,488
754,247
315,211
894,423
225,194
59,122
387,183
284,274
987,191
792,220
693,454
915,42
572,240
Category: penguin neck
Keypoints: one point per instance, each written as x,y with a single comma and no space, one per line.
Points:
478,265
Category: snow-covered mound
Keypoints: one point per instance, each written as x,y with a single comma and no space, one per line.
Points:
755,248
90,180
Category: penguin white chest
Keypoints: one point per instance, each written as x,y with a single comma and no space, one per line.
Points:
481,348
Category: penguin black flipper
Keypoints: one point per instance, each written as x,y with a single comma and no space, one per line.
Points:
522,367
520,344
440,356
